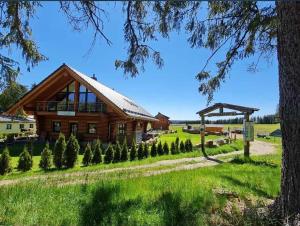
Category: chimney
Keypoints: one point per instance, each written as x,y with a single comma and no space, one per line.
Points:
94,77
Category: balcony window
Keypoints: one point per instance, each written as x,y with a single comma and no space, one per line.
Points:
65,99
88,101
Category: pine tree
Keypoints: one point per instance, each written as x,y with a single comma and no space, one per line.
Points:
132,153
109,154
5,164
45,162
190,145
140,152
187,145
25,160
146,151
160,150
182,147
59,150
124,153
177,144
117,153
71,153
97,151
166,148
173,148
153,151
87,155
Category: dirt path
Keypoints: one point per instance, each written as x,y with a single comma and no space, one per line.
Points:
257,148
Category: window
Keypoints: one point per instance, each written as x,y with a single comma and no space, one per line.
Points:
30,126
121,129
88,101
66,98
21,126
92,128
8,126
56,127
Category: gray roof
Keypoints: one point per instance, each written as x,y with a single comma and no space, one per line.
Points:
6,118
124,103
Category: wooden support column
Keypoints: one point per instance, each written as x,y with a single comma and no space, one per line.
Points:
76,98
247,143
203,133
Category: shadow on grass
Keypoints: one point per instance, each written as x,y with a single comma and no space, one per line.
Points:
210,158
241,160
247,185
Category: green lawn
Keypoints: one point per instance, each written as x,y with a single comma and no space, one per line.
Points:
177,198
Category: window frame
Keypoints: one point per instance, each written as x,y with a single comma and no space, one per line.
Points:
22,126
8,126
88,127
53,130
121,128
31,126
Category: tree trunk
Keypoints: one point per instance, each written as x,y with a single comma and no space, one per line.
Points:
289,105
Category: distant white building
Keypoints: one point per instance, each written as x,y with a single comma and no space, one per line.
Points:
13,124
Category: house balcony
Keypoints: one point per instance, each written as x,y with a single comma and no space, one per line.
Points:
56,106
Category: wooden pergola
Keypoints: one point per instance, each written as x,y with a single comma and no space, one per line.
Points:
235,110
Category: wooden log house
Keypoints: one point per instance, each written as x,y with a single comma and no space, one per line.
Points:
162,123
68,101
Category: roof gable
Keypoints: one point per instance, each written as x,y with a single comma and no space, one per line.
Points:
161,115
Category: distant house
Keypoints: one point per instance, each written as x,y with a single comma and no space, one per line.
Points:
70,102
214,128
16,125
162,123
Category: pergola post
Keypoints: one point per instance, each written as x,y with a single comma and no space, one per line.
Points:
202,133
246,143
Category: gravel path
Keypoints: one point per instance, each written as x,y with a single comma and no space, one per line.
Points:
256,148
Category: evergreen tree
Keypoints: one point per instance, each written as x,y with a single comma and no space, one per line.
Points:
160,150
45,162
59,150
5,164
166,148
87,155
146,151
109,154
173,148
140,152
153,151
97,151
177,144
182,147
71,153
190,146
117,153
25,160
124,153
132,153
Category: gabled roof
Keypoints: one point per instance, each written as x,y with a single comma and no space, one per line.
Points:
123,103
228,106
162,115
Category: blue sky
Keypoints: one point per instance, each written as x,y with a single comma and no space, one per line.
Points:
172,90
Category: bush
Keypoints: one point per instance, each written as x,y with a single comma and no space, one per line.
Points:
153,151
177,144
71,153
45,162
59,150
87,155
186,145
166,148
173,148
190,145
132,153
160,150
140,152
182,147
25,160
97,151
146,151
124,153
117,153
109,154
5,166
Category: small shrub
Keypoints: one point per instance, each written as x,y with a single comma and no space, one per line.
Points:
71,153
87,155
25,161
146,151
132,151
173,148
140,152
153,151
117,153
109,154
5,165
182,147
177,143
97,151
59,150
45,162
160,150
190,145
124,153
186,145
166,148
